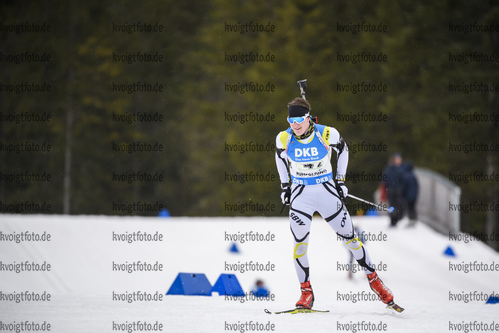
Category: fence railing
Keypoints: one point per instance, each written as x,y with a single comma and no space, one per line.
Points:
436,194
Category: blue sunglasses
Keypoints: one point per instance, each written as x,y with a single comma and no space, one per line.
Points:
297,120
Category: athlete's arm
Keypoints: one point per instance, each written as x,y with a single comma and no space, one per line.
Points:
338,144
281,158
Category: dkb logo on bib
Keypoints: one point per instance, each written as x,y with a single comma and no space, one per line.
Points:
306,152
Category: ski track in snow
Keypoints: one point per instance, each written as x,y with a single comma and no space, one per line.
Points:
81,281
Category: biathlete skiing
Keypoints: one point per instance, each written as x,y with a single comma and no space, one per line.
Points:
303,158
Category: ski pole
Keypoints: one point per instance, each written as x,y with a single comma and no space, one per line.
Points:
283,205
389,210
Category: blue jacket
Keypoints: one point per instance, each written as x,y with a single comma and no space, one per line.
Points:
393,177
411,187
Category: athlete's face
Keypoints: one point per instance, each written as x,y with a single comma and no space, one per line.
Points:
302,128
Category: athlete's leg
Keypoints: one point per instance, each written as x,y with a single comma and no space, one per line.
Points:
301,211
333,210
300,218
336,215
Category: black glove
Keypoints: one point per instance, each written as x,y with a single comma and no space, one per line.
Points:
285,194
342,190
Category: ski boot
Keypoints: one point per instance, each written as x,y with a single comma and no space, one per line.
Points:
379,288
384,294
306,300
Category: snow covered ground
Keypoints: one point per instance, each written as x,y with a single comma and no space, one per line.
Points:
82,278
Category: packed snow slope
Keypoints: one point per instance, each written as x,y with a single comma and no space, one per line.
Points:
95,264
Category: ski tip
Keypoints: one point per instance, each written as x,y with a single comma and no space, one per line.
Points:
395,308
267,311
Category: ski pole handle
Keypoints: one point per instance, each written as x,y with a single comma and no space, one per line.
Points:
389,210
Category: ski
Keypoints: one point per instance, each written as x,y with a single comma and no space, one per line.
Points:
394,307
297,310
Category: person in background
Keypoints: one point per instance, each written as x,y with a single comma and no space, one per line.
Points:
410,192
259,290
393,177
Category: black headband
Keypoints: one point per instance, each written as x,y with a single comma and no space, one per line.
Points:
297,111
